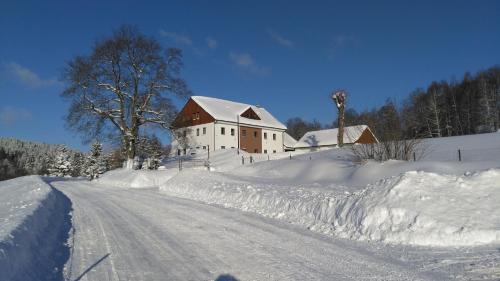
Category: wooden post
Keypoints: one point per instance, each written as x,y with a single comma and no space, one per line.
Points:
414,157
268,157
290,156
242,160
208,146
459,155
251,159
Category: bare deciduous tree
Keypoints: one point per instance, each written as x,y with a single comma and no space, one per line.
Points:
126,82
340,97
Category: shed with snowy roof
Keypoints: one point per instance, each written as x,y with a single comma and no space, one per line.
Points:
208,123
325,139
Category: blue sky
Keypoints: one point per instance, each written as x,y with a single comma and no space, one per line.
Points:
284,55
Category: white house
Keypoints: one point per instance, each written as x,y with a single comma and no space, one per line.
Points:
325,139
209,123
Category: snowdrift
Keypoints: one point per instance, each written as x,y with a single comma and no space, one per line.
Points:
34,227
135,178
417,208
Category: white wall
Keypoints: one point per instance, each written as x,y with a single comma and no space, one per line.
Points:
227,140
197,141
272,145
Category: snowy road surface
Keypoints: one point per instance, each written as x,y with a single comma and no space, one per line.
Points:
125,234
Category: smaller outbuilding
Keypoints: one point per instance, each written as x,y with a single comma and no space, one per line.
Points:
325,139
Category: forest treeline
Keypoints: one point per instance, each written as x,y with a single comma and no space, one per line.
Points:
20,158
444,108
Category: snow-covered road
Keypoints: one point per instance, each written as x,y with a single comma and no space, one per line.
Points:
139,234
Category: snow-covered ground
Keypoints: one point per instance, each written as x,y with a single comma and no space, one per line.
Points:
431,203
434,219
135,179
139,234
34,226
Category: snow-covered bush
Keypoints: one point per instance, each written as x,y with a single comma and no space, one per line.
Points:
95,163
61,164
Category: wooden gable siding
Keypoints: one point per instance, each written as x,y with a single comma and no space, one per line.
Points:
251,139
249,113
192,114
366,137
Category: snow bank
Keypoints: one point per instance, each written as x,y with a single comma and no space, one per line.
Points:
418,208
135,178
34,225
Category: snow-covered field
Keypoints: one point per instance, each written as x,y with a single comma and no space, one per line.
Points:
429,203
437,218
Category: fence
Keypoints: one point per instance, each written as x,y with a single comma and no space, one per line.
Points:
460,154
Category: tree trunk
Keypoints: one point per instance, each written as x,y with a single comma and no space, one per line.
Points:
130,149
340,135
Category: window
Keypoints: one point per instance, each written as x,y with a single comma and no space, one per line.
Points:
232,146
204,130
255,150
243,133
265,136
232,132
222,131
222,147
197,131
265,151
197,147
178,152
274,151
274,136
204,147
254,134
194,116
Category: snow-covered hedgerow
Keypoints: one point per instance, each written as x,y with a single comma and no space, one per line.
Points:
418,208
34,227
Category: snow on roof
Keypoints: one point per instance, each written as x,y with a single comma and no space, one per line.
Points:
329,136
225,110
288,140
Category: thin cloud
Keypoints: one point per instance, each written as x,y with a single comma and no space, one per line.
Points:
247,62
211,43
28,77
177,38
276,37
9,116
340,42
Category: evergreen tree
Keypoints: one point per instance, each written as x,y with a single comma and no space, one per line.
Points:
95,164
61,164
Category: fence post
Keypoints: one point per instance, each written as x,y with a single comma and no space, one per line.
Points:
268,157
414,157
290,156
251,159
208,147
459,155
242,160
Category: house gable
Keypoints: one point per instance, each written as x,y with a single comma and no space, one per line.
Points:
250,114
192,114
366,137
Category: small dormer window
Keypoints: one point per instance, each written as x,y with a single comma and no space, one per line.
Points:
250,114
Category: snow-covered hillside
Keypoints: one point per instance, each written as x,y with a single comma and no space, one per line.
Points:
433,203
34,226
